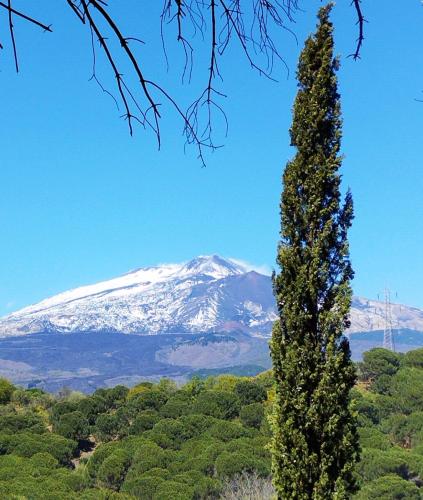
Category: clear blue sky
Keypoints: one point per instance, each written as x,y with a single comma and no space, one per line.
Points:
81,201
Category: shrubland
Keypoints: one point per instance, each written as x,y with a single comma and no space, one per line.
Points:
206,439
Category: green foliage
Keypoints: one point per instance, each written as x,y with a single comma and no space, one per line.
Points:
376,463
407,389
250,392
374,438
172,490
413,358
113,470
144,421
315,442
12,422
143,487
113,397
232,463
378,362
177,405
72,426
107,426
252,415
6,391
219,404
390,487
367,408
226,431
191,454
26,445
91,407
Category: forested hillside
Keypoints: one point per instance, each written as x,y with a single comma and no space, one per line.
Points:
206,439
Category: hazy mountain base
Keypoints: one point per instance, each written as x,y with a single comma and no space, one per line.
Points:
86,361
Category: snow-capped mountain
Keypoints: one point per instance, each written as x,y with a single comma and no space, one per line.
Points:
206,294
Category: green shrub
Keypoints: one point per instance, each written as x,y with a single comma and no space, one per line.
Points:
171,490
389,487
250,392
377,362
107,427
6,391
177,405
11,423
377,463
113,470
204,487
413,358
26,445
72,425
226,431
100,454
91,407
144,421
148,456
151,399
252,415
218,404
407,390
371,437
229,464
143,487
169,433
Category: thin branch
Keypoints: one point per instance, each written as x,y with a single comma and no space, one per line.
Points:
94,75
106,49
124,45
360,22
12,35
27,18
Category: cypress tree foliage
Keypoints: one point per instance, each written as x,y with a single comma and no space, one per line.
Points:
315,443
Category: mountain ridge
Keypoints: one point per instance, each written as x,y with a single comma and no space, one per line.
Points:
205,294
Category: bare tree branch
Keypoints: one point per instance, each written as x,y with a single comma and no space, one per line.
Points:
24,16
251,24
360,24
12,34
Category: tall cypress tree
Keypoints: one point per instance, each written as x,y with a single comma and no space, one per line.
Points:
315,442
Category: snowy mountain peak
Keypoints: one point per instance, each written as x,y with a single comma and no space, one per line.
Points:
207,293
213,266
188,297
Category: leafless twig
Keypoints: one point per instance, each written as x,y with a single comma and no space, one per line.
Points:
360,24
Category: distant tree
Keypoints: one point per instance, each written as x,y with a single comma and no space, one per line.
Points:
6,391
413,358
112,471
73,426
252,415
250,392
219,404
315,442
378,362
390,487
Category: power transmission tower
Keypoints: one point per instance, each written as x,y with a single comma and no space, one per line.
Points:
388,336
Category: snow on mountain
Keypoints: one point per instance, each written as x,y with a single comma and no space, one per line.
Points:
197,296
370,315
206,294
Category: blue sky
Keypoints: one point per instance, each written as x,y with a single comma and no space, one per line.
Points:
82,201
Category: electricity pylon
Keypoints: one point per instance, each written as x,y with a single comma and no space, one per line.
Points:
388,336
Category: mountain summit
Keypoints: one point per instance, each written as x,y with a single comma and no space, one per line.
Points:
206,294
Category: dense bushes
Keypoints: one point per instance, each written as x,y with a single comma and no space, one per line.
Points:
158,441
